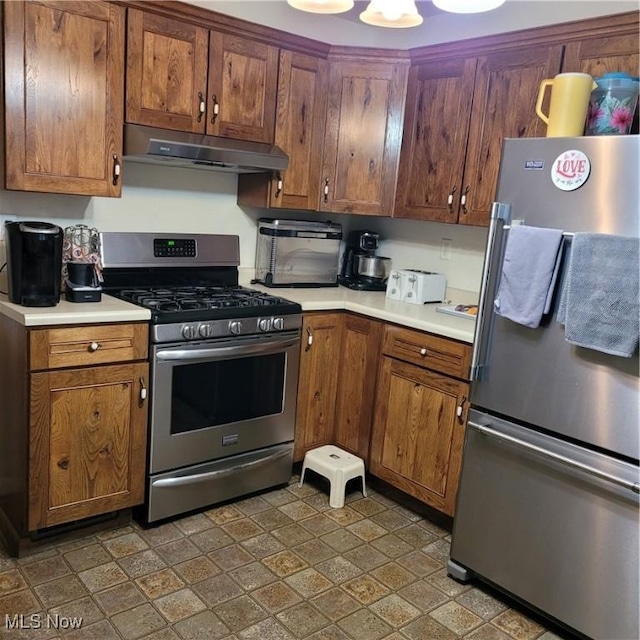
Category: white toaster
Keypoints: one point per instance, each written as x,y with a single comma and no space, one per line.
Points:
419,287
395,282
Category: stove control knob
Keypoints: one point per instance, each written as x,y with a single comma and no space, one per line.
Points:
235,327
205,330
278,324
189,331
264,324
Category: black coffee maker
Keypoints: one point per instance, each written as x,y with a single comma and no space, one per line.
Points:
361,274
34,263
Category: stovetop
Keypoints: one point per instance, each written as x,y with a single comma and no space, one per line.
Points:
192,303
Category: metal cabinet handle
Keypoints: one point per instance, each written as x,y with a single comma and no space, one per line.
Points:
116,169
326,190
423,352
450,198
309,338
94,346
216,108
463,201
202,106
279,184
460,410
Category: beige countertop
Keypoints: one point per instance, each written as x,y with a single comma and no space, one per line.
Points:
109,309
376,305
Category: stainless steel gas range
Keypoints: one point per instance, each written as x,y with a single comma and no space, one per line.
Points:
224,368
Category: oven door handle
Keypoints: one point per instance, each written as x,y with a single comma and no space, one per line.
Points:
224,353
204,477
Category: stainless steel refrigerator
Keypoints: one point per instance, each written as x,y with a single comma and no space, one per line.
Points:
548,501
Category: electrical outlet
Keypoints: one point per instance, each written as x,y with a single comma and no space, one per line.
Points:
445,249
5,217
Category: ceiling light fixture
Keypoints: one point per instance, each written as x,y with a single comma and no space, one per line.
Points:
467,6
392,13
322,6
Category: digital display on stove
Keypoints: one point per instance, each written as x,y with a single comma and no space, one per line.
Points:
174,248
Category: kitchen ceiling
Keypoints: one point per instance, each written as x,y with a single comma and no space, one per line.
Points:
438,26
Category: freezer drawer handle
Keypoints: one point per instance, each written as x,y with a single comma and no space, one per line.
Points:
603,475
203,477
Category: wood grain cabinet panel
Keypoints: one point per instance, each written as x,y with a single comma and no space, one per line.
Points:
320,354
86,346
418,434
504,98
64,94
87,442
362,136
243,80
360,352
458,113
301,109
166,72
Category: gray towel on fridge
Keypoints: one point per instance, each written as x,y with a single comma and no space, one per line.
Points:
528,274
600,306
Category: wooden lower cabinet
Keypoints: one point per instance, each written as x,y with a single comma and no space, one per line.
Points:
320,355
87,442
359,355
417,432
73,424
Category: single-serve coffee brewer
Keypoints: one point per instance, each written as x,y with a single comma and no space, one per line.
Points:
361,268
34,263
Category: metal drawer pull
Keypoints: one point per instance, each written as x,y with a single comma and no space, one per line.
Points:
116,170
94,346
203,477
143,391
326,190
279,184
450,199
463,201
603,475
423,352
216,109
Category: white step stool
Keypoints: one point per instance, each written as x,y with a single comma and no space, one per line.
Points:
338,467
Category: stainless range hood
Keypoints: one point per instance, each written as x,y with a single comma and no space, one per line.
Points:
195,151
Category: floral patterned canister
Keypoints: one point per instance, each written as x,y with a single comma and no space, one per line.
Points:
612,105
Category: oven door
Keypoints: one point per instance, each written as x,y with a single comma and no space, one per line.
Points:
214,399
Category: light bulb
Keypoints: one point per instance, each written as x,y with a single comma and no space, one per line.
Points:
467,6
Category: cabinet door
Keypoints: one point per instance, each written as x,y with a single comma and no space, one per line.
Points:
417,434
243,80
504,99
87,451
300,117
64,89
605,54
362,138
435,140
166,72
318,381
360,352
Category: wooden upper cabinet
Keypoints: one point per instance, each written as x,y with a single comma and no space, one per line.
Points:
458,112
362,136
243,80
434,140
615,48
504,99
301,109
64,94
166,72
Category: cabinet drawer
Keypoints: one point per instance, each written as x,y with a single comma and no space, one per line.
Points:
82,346
440,354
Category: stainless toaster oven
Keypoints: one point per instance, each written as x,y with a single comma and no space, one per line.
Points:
297,253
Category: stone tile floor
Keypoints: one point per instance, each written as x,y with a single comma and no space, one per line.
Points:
278,566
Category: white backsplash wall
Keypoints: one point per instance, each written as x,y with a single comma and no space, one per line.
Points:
173,200
412,244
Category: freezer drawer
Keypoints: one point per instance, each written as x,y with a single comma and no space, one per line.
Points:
552,523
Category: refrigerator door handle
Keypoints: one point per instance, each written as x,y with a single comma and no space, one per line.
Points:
500,214
603,475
